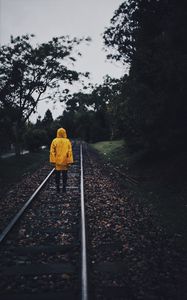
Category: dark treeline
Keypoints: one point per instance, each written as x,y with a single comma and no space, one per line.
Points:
147,107
151,37
92,117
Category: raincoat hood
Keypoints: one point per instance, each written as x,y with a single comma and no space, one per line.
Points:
61,133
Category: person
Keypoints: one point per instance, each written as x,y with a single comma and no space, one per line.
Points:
62,156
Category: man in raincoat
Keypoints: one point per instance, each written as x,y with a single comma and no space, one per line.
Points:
62,156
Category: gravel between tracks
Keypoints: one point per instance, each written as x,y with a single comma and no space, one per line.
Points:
130,255
41,254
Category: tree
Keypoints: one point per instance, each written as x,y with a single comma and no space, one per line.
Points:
35,138
47,125
120,37
150,36
76,117
28,72
48,118
93,113
6,137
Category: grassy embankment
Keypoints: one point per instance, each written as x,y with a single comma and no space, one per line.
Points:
162,182
13,168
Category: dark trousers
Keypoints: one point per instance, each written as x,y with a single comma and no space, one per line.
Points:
64,178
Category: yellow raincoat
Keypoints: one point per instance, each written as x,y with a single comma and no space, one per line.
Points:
61,151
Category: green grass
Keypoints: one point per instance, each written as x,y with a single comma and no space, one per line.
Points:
162,183
113,151
13,168
108,146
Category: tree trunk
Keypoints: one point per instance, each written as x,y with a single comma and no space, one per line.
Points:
17,148
17,139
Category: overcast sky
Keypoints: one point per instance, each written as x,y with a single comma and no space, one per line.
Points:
49,18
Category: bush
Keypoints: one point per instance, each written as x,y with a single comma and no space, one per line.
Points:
35,138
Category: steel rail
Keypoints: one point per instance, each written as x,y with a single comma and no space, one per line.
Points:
21,211
84,280
128,178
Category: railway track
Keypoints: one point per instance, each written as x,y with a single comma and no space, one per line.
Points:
43,248
123,175
128,257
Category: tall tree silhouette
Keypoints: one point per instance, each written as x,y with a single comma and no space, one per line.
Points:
149,35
